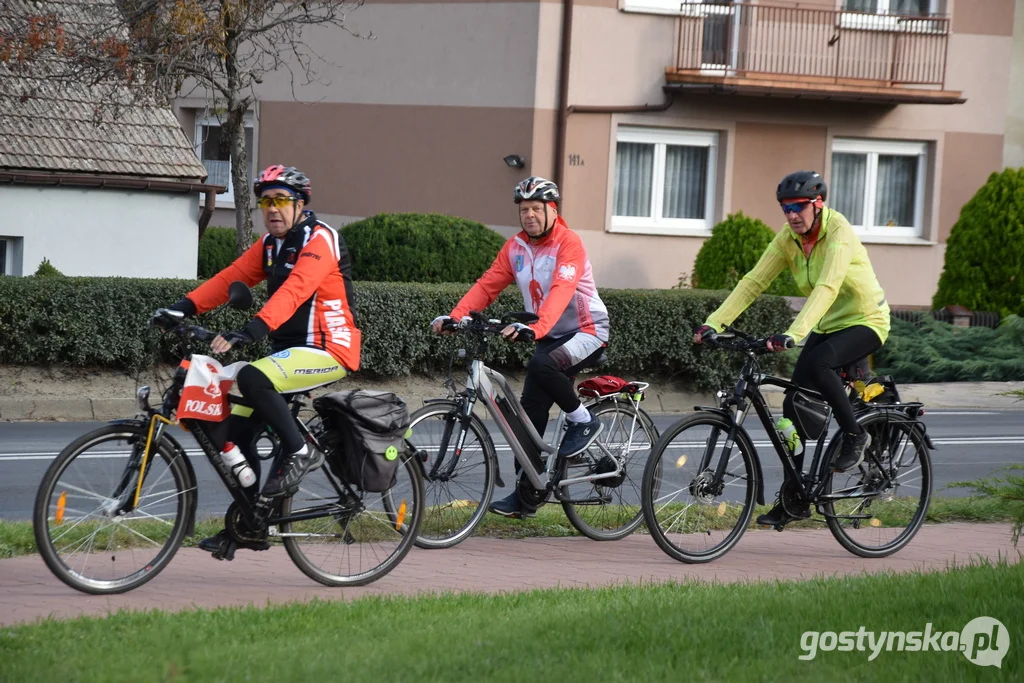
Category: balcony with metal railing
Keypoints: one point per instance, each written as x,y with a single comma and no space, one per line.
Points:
767,50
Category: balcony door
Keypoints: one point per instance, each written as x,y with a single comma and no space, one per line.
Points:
719,44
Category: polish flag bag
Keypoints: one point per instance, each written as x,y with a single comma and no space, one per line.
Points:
205,394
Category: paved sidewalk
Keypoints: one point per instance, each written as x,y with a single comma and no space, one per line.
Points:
77,400
194,579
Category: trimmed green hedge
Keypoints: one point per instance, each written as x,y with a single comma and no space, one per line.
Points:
217,250
102,322
416,247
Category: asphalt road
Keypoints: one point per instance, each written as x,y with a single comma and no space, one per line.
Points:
971,444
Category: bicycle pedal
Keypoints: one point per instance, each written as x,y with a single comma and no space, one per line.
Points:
226,551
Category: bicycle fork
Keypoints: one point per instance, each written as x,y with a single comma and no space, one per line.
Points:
443,467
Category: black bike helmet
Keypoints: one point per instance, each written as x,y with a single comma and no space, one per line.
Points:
802,185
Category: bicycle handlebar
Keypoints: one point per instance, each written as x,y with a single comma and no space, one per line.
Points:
476,322
734,340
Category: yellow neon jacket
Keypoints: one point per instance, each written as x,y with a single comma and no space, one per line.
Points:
837,279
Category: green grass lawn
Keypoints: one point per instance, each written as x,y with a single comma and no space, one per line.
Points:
671,632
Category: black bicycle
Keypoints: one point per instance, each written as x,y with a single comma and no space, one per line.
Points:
704,474
115,505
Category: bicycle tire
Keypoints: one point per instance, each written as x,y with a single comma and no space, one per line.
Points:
357,528
619,525
658,506
159,523
446,522
851,533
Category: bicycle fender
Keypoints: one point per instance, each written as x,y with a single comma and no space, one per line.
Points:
741,434
191,482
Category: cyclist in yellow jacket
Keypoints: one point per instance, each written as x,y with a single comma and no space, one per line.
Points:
845,319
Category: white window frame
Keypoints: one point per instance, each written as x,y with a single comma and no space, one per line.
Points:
873,148
226,199
7,267
673,7
881,20
657,224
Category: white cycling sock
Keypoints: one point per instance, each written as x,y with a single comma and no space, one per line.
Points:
581,414
302,451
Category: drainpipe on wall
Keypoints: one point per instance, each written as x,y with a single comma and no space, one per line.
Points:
597,109
624,109
206,213
564,110
563,90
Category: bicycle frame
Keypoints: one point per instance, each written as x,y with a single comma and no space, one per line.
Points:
258,514
746,394
486,385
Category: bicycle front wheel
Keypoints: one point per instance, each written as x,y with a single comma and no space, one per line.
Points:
459,473
693,516
609,509
876,509
352,539
86,529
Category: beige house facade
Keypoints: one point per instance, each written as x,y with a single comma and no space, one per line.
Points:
659,120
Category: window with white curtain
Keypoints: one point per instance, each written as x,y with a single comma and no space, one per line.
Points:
879,185
887,15
664,180
914,8
10,255
213,151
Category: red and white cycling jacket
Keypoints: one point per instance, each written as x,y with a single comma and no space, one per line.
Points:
555,278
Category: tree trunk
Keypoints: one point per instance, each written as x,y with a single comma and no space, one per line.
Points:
235,129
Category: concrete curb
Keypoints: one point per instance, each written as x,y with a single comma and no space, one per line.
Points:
952,396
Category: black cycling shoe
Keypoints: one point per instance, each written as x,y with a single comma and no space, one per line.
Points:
223,546
579,436
511,506
779,517
285,481
851,453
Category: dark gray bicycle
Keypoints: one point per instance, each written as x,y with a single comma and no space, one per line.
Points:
599,490
704,474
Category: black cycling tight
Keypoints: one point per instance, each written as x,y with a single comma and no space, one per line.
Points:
816,367
269,407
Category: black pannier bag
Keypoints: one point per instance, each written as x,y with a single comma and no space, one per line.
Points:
365,436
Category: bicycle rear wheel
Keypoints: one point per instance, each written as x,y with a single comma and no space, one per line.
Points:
81,528
888,494
692,518
352,539
609,510
458,480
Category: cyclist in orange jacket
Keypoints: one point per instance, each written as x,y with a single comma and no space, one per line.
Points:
308,318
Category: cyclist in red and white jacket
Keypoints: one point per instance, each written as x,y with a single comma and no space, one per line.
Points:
548,262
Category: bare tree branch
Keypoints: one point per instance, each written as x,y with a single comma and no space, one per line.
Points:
157,50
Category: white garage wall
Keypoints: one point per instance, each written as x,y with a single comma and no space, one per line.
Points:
103,232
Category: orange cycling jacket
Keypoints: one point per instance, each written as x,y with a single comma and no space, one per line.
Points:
555,278
310,304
